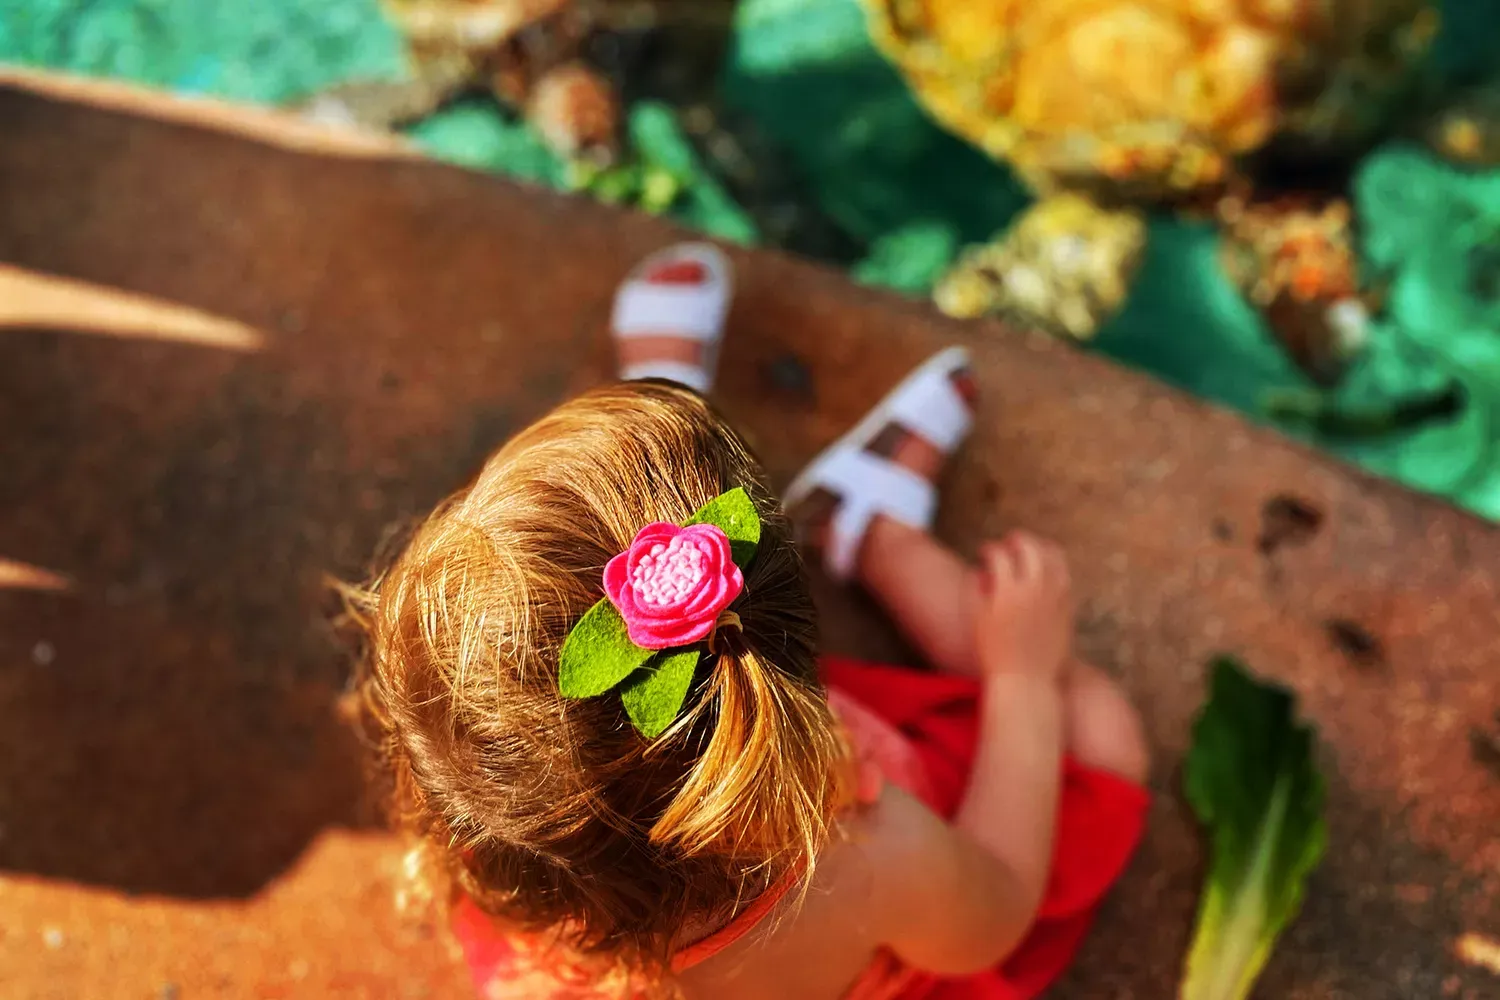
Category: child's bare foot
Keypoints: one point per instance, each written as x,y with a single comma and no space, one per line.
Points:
886,468
669,315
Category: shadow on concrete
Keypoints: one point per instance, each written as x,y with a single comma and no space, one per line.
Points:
138,753
168,724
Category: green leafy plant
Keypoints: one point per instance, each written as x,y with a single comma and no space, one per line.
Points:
635,183
1252,780
659,172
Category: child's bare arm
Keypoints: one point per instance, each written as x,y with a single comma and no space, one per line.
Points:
1011,806
947,904
1023,635
994,862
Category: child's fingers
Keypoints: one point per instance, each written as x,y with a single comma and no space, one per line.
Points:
1000,560
1026,553
995,579
1051,563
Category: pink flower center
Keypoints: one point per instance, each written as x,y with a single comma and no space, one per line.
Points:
668,573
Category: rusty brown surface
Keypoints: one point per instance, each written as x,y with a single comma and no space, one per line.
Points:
180,809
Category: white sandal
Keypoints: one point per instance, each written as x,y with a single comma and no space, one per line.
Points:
929,405
669,315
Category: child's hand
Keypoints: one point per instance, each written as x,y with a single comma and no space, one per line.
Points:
1024,623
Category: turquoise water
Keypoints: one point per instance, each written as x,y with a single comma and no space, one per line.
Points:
262,50
282,51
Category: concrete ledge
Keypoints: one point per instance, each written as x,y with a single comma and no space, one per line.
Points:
165,723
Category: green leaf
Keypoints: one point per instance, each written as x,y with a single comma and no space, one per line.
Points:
699,199
654,696
1252,780
474,133
735,515
909,259
597,654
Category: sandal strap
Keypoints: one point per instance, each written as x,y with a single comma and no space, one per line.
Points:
867,485
695,311
932,409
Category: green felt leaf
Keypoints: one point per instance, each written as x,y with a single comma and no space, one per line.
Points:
597,654
735,515
653,696
1252,780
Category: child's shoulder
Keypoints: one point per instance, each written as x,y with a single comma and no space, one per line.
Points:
823,935
893,893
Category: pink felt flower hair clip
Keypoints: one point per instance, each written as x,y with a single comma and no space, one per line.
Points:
672,582
664,596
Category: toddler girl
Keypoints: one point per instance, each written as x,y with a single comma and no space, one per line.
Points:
597,679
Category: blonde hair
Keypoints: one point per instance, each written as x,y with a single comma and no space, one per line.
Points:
557,814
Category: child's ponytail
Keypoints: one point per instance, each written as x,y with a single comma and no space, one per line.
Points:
765,784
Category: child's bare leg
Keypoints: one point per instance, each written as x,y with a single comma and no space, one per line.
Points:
932,595
864,504
1104,729
927,590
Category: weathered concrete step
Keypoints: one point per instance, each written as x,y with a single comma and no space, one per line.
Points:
165,726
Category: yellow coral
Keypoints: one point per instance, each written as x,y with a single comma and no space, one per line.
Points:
1065,266
1151,97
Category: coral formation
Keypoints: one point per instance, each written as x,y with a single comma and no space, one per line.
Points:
1066,265
1165,102
1153,100
1294,260
525,52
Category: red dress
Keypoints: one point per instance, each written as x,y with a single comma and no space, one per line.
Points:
919,730
1100,821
